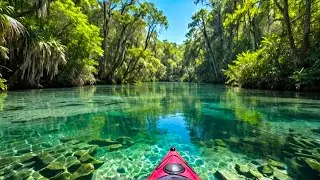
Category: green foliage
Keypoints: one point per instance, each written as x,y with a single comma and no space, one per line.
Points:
309,77
3,86
81,39
10,29
245,69
257,44
43,56
69,42
130,54
170,56
268,67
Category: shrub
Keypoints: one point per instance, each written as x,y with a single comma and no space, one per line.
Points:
268,67
3,86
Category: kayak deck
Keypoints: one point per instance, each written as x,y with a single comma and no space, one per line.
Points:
173,166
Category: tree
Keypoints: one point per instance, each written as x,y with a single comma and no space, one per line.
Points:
273,43
200,20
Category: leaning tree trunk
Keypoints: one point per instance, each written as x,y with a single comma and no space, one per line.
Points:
210,49
306,34
286,17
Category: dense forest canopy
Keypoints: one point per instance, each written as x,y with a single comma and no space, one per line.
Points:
272,44
77,42
269,44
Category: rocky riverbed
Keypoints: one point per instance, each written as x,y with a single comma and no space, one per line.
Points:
70,159
292,156
124,132
297,157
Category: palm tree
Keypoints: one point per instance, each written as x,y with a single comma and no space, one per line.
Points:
41,57
10,28
44,56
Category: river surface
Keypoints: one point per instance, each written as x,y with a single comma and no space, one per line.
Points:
212,126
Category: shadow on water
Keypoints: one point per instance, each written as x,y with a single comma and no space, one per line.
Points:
124,131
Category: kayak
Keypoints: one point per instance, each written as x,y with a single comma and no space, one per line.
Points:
173,166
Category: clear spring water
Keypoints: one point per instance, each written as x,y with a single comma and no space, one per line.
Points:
157,116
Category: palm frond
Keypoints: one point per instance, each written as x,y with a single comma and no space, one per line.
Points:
15,29
4,52
43,57
5,8
10,28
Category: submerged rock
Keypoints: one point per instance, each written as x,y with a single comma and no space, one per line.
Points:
23,151
220,142
42,160
37,175
28,158
5,171
86,158
52,170
201,143
295,166
6,161
266,170
296,141
85,171
308,152
277,175
210,143
80,153
23,174
291,130
102,142
242,169
16,166
113,147
97,164
308,156
123,139
73,166
80,146
225,175
313,165
72,142
199,162
29,164
317,131
61,159
93,150
253,173
121,170
65,139
128,143
276,164
70,160
62,176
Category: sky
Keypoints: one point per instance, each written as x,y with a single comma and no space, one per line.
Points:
179,14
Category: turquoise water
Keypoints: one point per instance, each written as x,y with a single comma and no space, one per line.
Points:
213,127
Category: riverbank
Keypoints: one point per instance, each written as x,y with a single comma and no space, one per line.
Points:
314,89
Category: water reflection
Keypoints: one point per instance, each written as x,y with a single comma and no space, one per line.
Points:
214,127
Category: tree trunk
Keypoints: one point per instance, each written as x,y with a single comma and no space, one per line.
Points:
306,34
150,31
286,17
105,32
209,48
